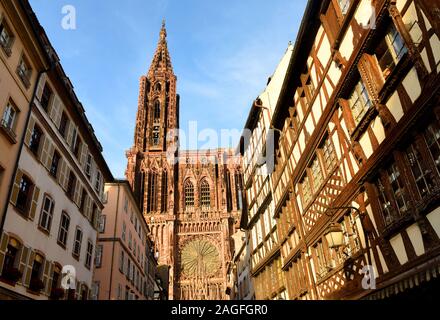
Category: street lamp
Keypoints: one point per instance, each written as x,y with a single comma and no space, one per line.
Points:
334,236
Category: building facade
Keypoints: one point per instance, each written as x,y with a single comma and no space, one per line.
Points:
22,58
56,196
191,199
240,282
358,154
257,148
125,266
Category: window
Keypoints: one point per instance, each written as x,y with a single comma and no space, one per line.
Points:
63,124
390,51
398,188
205,196
64,229
189,196
359,102
24,71
432,138
98,182
55,164
318,177
95,290
77,147
46,213
88,168
306,191
130,240
6,38
56,277
121,261
329,154
102,221
89,254
164,191
124,230
94,214
385,205
36,273
344,5
420,171
9,116
77,242
156,112
45,98
82,204
351,234
34,143
152,192
98,256
10,261
71,185
392,195
25,192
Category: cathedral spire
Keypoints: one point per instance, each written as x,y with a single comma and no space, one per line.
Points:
161,60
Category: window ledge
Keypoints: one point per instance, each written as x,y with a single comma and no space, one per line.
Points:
6,49
10,135
395,78
364,123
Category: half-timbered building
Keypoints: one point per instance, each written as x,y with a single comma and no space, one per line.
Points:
358,152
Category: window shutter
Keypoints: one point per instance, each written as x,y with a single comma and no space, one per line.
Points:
34,202
96,220
79,290
56,111
45,151
70,137
83,158
24,255
40,87
47,271
16,187
89,208
28,273
3,247
63,177
50,279
50,154
30,128
77,194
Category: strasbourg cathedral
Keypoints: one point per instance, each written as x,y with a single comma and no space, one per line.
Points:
192,200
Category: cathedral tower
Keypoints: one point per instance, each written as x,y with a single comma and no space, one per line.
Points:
191,199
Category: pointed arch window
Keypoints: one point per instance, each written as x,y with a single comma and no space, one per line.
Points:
205,196
164,191
189,196
152,192
156,111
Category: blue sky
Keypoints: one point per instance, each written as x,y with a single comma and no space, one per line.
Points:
222,52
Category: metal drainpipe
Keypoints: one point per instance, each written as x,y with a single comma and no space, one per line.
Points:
11,183
114,241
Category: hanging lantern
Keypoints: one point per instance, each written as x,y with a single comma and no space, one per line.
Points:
334,236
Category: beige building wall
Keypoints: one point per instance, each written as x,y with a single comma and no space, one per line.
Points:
126,270
13,91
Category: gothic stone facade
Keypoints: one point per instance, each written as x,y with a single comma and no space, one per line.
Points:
191,199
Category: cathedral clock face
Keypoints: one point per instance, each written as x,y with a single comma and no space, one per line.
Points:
200,257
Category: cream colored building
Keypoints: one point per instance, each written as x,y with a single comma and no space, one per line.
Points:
22,59
258,160
125,260
56,196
